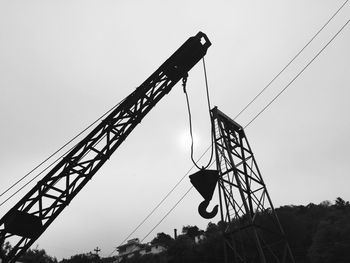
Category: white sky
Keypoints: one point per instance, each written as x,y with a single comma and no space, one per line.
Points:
64,63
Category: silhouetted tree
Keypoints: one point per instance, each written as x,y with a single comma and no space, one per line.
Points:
295,229
340,203
4,249
331,242
191,231
82,258
326,203
182,250
163,239
37,256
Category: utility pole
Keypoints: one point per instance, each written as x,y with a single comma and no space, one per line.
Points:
97,257
97,250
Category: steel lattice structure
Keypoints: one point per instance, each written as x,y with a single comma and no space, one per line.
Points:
31,216
252,231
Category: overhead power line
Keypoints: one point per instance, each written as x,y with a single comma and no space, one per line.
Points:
306,66
48,158
292,60
165,216
156,207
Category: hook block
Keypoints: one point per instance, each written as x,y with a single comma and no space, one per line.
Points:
205,181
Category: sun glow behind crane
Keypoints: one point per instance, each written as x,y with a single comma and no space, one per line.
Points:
184,140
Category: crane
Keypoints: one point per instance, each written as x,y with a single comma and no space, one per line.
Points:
24,223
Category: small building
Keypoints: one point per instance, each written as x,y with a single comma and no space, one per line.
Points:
130,248
152,249
133,247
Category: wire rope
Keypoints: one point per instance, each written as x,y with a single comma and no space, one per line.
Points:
209,111
184,84
184,81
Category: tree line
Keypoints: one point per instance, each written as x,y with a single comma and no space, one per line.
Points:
316,234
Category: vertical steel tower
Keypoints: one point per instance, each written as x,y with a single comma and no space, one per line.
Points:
252,231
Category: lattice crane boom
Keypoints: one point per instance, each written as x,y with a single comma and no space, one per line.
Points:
30,217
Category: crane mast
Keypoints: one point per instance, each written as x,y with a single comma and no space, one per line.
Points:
253,232
23,224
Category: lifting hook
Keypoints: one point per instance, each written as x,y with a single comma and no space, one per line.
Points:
202,210
205,181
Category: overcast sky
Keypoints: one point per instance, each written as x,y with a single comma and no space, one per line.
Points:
64,63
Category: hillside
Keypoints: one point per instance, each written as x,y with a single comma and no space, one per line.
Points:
316,234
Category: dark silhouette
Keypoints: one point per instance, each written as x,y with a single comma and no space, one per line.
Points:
316,233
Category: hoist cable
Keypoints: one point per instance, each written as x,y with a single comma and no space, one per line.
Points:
190,121
52,155
184,84
209,111
292,60
306,66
